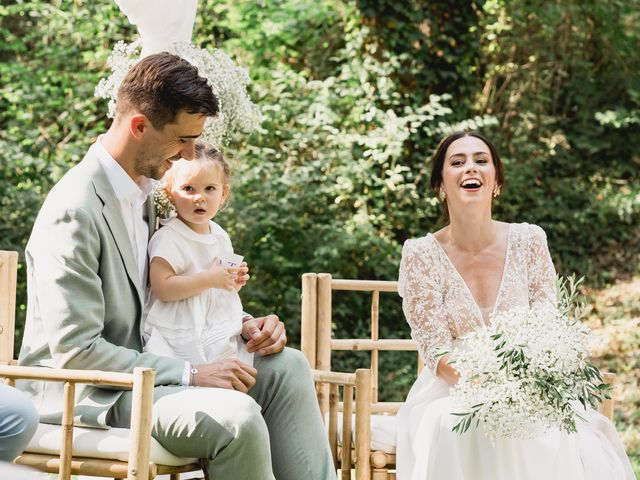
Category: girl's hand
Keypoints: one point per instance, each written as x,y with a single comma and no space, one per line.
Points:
222,277
242,276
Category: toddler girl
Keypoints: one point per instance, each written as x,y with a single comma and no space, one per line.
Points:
193,311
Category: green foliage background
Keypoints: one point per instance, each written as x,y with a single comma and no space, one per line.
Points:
355,96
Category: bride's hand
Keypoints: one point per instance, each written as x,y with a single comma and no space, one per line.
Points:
445,371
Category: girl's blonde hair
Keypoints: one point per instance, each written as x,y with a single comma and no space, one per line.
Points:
205,152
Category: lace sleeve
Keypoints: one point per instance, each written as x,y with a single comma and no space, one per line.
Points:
420,287
542,274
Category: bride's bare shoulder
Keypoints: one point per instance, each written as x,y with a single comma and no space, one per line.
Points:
504,227
440,234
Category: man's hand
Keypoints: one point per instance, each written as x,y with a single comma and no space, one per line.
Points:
229,373
265,335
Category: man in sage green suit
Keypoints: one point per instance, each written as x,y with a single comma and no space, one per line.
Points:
86,272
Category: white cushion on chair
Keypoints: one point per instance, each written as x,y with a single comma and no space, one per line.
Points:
110,444
383,432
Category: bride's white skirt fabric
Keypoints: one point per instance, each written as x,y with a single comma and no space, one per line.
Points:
427,449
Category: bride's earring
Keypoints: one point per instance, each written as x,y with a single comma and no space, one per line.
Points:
496,191
442,195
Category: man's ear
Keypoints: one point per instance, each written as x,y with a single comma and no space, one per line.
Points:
138,124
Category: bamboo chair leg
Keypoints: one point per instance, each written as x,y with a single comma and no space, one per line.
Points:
67,431
308,317
363,424
345,460
141,408
333,422
380,474
323,336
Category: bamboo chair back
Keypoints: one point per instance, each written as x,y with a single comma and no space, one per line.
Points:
141,382
317,342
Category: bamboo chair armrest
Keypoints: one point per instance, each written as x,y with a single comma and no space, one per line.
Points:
89,377
336,378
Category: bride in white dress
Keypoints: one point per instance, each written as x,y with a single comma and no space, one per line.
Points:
455,279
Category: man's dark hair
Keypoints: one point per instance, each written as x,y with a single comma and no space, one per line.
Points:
161,85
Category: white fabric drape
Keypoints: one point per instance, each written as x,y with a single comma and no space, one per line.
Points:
160,22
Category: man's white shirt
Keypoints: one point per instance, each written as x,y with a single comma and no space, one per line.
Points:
132,197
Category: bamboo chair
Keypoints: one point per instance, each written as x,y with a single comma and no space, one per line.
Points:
318,344
133,458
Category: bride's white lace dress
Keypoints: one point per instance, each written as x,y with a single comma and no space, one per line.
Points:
440,308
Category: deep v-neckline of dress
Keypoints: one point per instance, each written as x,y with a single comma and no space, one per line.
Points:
476,306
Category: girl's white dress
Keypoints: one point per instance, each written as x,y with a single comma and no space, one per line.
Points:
205,327
440,309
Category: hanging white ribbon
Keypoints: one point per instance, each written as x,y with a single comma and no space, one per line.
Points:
161,23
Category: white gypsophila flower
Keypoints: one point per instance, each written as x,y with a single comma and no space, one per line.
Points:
161,202
227,80
523,374
122,58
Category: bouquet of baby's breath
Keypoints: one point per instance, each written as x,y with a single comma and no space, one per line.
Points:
227,80
528,372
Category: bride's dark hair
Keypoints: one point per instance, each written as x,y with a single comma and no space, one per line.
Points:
437,161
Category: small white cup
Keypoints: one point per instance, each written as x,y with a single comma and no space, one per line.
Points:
231,260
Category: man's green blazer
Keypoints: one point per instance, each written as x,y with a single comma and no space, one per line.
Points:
85,300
